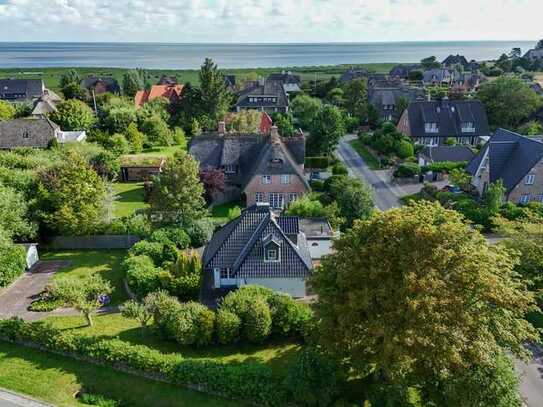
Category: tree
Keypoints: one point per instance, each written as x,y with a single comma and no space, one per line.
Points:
354,199
14,216
418,296
508,101
157,132
305,109
504,63
73,115
189,109
326,130
532,128
356,99
336,96
460,178
246,121
215,97
135,137
72,196
213,181
178,194
140,311
515,53
402,104
85,294
284,124
132,82
70,85
430,63
494,197
7,111
116,114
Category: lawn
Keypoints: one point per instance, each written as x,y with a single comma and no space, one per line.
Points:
56,379
367,156
129,198
106,263
277,354
219,213
165,151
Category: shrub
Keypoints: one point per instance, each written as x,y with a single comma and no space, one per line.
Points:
98,400
257,321
193,324
340,169
200,232
288,316
228,326
446,166
316,162
317,185
185,276
153,250
407,170
141,274
405,149
12,263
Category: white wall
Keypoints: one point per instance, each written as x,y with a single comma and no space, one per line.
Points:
293,286
319,247
31,256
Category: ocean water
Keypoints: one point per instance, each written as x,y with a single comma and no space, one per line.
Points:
190,56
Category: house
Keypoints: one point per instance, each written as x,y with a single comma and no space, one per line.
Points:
430,155
383,81
431,122
388,100
261,248
137,168
534,54
439,77
402,71
100,85
230,82
264,95
353,74
167,80
35,132
169,92
466,82
516,160
21,90
454,61
258,168
46,104
290,82
319,236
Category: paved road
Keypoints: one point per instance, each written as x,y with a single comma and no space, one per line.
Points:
11,399
384,197
531,377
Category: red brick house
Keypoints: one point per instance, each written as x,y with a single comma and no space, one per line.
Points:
258,167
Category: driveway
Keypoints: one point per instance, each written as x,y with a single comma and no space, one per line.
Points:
531,377
15,300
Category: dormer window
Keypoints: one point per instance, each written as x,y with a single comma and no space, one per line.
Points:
272,250
230,169
431,128
468,127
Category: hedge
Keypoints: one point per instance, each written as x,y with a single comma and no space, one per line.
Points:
12,263
445,166
317,162
246,380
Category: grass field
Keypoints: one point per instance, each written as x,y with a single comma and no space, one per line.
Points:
366,155
56,379
106,263
129,198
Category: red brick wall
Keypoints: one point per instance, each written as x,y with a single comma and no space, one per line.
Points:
403,124
255,185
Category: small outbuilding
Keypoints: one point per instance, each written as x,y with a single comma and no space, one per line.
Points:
137,168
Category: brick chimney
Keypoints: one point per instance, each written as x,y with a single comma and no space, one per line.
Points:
222,128
274,135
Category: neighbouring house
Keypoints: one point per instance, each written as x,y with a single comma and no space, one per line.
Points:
21,90
441,77
534,54
100,85
402,71
264,95
290,82
31,254
383,81
453,61
230,82
466,82
137,168
353,74
319,236
258,167
516,160
429,155
387,99
167,80
46,104
169,92
260,248
431,122
35,132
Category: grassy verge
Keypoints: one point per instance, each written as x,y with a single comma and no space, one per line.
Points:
56,379
106,263
367,156
130,197
277,354
219,213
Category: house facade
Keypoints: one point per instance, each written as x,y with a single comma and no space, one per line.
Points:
21,90
387,100
439,77
264,95
431,123
261,248
454,61
259,168
516,160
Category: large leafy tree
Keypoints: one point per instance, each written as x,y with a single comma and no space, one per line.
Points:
7,111
215,97
14,216
305,108
132,82
355,95
73,114
326,130
72,197
509,101
178,194
70,85
418,296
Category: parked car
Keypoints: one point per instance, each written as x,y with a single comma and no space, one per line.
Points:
451,188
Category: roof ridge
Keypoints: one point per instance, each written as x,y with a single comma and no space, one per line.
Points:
251,242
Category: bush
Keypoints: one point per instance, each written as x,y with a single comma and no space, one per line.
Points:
12,263
317,185
407,170
446,166
200,232
340,169
98,400
193,324
317,162
288,316
228,326
153,250
257,321
405,149
141,274
185,276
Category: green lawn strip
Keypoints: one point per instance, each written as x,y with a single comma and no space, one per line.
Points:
56,379
130,197
106,263
277,354
367,156
165,151
410,198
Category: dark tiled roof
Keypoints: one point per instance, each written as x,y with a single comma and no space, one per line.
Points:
353,74
455,60
19,90
402,71
289,224
111,83
510,157
285,77
439,75
34,132
239,246
264,92
449,116
382,96
448,153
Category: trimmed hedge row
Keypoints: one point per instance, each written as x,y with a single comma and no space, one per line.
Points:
12,263
246,380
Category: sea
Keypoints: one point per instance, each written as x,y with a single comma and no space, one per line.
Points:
228,55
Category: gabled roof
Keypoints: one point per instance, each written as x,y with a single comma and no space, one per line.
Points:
170,92
110,83
21,89
448,153
285,77
510,157
265,92
239,246
36,131
402,71
353,74
455,60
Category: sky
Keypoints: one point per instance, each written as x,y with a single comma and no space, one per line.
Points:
269,21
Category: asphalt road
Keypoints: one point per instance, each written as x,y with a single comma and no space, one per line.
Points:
383,196
11,399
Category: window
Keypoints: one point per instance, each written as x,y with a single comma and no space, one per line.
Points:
277,200
431,128
271,255
266,179
225,273
292,196
524,199
230,169
529,180
468,127
26,134
430,141
285,178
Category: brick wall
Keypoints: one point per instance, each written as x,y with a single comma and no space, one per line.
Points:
255,185
535,190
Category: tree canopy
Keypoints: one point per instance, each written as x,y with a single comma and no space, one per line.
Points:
73,114
7,111
326,130
305,108
215,97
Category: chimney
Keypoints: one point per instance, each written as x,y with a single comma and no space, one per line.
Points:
222,128
274,135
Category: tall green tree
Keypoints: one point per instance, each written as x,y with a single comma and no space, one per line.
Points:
132,82
7,111
356,99
73,114
14,215
417,296
216,98
305,108
508,101
70,85
178,194
326,130
430,63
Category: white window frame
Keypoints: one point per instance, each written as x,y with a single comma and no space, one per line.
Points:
468,127
277,257
285,179
524,199
431,128
276,200
230,169
292,196
529,180
266,179
259,197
